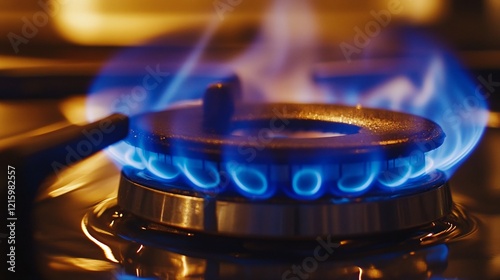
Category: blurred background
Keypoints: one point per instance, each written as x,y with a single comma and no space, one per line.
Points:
72,39
51,32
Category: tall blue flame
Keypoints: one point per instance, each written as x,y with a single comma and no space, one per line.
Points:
424,80
427,82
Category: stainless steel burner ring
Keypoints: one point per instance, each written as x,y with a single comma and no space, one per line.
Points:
286,218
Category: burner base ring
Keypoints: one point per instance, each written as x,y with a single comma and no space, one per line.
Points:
286,218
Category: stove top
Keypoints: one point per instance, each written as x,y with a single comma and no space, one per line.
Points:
461,246
94,237
193,170
233,153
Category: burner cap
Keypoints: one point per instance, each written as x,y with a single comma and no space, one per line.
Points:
300,150
284,133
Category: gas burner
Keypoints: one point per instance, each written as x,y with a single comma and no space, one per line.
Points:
283,170
428,201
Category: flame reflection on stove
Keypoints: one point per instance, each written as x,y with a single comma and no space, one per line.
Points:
283,65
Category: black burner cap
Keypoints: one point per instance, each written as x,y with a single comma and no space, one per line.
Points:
340,133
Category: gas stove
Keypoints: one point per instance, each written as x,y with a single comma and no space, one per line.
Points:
283,215
198,173
273,159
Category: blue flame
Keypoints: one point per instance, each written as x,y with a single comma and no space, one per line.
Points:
427,82
132,277
307,182
397,174
202,174
187,68
131,155
437,254
250,181
162,167
357,177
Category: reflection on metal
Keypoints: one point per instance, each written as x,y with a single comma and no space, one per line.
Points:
210,257
65,189
67,182
287,218
68,263
107,251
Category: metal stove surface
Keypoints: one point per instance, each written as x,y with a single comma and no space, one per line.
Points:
65,251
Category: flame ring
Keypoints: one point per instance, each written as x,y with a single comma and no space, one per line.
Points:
376,150
230,215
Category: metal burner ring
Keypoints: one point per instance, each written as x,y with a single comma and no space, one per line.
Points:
287,218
